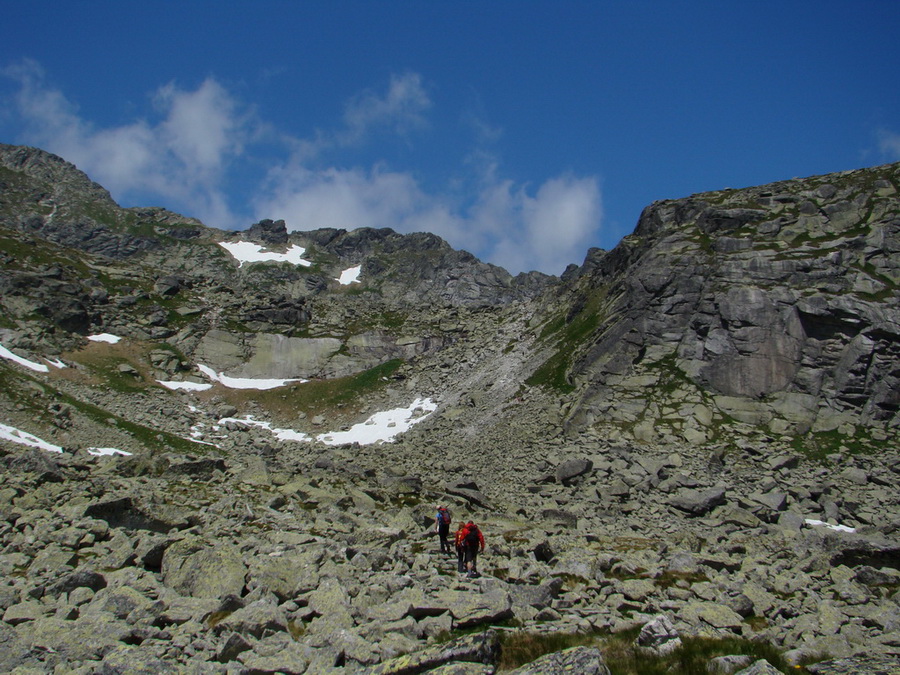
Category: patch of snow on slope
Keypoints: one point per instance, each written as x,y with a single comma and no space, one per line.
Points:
104,337
247,251
382,427
23,438
107,452
185,385
350,276
280,434
822,523
6,354
244,382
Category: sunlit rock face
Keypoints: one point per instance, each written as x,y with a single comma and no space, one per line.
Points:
783,297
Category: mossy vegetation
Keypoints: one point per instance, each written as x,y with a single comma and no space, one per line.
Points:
818,445
150,438
326,397
28,253
520,647
33,396
120,367
567,332
448,635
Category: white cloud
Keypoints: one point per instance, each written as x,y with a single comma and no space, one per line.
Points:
342,198
399,110
186,154
181,158
561,221
201,127
507,226
889,144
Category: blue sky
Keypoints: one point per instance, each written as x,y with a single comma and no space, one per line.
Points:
524,132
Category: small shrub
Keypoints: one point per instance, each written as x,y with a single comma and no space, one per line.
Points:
668,579
297,629
216,618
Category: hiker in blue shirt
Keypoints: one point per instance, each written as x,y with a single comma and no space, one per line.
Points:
442,526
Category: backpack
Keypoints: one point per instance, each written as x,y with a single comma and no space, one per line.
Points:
444,515
471,537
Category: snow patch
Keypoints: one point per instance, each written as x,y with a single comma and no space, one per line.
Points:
248,252
350,276
382,427
280,434
6,354
109,338
23,438
107,452
244,382
822,523
185,386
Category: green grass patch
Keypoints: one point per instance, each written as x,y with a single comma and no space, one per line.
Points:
572,581
103,362
624,658
692,657
518,648
625,575
28,252
569,332
671,377
151,438
818,445
103,214
447,635
320,396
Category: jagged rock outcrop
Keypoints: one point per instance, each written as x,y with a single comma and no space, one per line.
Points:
270,232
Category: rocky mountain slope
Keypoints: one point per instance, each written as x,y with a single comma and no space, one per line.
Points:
700,424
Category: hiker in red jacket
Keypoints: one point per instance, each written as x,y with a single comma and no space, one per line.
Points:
473,544
460,548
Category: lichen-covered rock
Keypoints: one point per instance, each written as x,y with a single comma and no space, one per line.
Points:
130,660
710,613
474,608
202,569
85,638
257,619
658,635
476,648
761,667
586,660
698,503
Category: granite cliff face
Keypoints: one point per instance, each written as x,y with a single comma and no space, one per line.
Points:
694,434
775,306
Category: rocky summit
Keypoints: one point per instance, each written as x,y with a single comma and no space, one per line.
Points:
222,452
